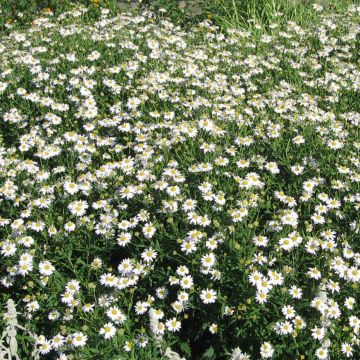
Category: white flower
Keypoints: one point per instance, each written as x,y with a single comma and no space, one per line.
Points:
57,341
46,268
208,296
350,302
266,350
295,292
79,339
272,167
133,103
148,230
213,328
237,354
128,346
284,328
288,311
3,86
186,282
69,226
149,255
124,238
45,347
141,307
297,169
298,140
208,260
173,325
141,340
116,315
347,349
322,354
8,249
108,330
261,297
318,333
71,187
32,306
78,208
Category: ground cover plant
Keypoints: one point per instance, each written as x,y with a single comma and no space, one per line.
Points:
168,193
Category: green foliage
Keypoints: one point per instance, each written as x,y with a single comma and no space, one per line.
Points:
134,152
246,14
22,12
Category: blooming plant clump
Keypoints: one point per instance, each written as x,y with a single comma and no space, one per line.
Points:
167,193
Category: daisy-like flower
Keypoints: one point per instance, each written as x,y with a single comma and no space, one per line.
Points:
96,264
159,329
261,297
3,86
213,328
108,280
297,169
148,230
353,274
141,340
186,282
318,333
350,302
295,292
24,268
173,325
57,341
69,226
272,167
124,238
318,219
141,307
347,350
188,246
335,144
73,286
322,353
189,205
290,217
8,249
288,311
133,103
78,208
79,339
45,347
157,313
129,345
284,328
108,330
53,315
208,260
173,190
260,240
266,350
116,315
162,293
71,187
149,255
46,268
208,296
87,308
314,273
298,140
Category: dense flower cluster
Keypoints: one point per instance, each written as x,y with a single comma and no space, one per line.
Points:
209,179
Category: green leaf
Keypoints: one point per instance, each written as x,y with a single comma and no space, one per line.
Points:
209,353
185,348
